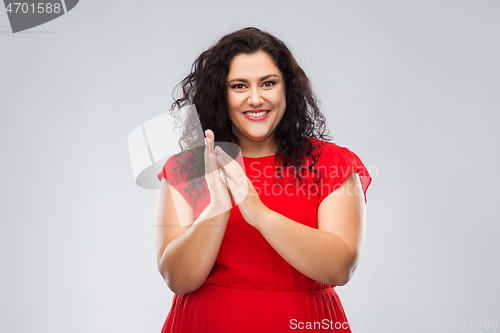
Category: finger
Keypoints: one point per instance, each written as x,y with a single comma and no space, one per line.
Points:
226,161
207,158
222,164
225,181
225,156
224,177
231,167
229,183
211,155
210,134
237,179
211,139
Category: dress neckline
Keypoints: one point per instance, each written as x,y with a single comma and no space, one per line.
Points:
261,157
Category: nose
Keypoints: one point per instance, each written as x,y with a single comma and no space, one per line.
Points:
255,99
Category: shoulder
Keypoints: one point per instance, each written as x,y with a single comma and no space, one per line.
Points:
340,162
328,150
175,168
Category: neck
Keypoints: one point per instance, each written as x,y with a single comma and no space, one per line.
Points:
262,148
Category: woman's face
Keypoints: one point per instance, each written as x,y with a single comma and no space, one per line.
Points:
255,96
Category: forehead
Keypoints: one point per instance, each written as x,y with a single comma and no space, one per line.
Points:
253,65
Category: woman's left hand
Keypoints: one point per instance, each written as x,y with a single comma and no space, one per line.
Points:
242,190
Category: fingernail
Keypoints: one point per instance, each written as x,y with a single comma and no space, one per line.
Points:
220,158
210,156
206,135
219,149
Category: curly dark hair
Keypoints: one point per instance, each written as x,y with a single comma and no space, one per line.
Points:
206,88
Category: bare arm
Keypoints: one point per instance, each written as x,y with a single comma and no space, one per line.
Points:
330,253
186,251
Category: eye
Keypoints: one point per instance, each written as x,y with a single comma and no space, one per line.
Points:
269,84
238,86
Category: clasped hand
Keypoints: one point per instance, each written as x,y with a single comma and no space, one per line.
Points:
227,181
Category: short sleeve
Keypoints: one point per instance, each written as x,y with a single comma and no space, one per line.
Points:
167,172
179,180
342,163
162,174
169,165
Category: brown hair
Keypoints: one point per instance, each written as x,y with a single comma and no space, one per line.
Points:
206,88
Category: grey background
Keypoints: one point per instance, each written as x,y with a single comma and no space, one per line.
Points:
410,86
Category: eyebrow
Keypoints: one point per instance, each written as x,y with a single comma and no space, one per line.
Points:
261,79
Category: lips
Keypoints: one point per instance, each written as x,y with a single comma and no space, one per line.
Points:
256,115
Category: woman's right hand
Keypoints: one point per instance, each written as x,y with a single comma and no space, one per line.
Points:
220,199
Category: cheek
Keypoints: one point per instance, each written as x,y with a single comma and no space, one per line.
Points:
233,107
282,106
230,102
278,99
233,101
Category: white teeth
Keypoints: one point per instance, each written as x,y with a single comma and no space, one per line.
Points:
256,114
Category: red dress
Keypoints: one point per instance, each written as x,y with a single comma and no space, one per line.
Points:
251,288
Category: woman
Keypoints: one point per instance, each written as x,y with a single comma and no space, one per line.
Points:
282,225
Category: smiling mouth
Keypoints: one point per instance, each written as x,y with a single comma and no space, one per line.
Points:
256,114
